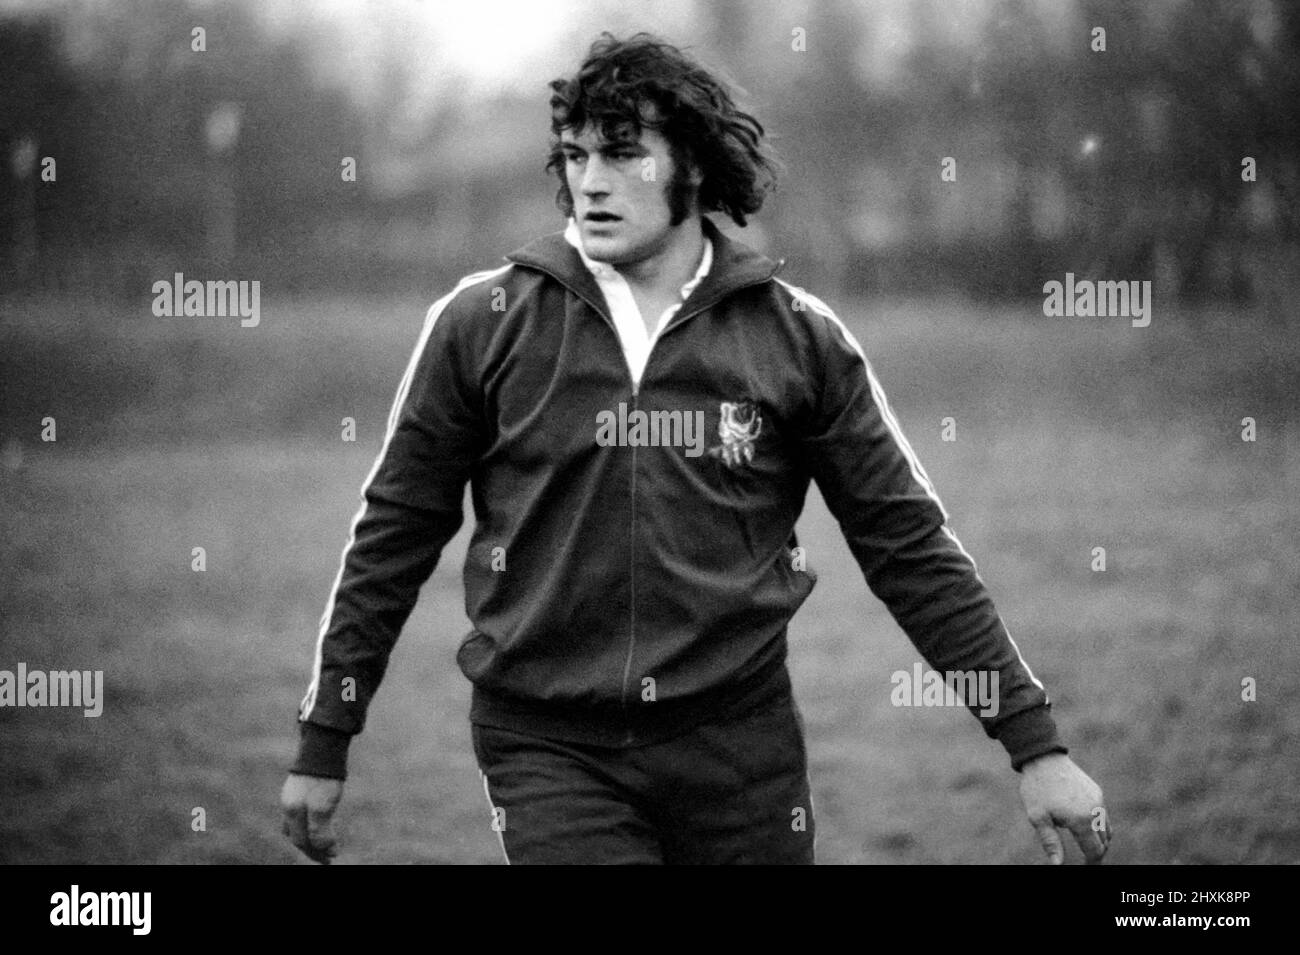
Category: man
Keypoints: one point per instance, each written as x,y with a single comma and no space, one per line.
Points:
639,405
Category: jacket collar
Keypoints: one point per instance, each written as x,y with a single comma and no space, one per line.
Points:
735,266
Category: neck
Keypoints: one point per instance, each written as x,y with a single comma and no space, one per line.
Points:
673,266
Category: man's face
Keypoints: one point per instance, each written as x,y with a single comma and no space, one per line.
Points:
620,193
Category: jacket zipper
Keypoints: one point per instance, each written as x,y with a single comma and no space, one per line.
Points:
678,320
628,736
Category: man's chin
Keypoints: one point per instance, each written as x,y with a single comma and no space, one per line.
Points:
603,248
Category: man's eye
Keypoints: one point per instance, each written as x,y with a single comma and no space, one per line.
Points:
574,157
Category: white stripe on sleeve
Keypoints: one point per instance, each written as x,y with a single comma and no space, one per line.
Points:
309,701
913,463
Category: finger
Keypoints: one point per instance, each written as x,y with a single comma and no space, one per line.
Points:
1090,840
1093,846
318,852
295,826
1050,841
1100,815
1106,834
320,831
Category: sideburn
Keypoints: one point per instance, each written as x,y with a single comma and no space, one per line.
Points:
680,193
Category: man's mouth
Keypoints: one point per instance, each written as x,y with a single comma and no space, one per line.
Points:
602,217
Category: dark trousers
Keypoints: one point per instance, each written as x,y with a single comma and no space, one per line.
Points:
725,792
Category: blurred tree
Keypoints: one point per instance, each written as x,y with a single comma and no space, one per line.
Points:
41,95
1122,164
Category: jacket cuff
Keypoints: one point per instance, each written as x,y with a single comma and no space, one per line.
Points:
322,751
1029,734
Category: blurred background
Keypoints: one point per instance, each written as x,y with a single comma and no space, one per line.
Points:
223,155
1120,161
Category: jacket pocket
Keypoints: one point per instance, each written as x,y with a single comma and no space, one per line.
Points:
476,654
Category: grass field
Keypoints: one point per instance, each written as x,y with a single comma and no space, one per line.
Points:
1071,434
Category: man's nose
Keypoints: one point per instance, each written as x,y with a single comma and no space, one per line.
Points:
595,177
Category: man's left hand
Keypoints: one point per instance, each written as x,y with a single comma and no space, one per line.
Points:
1058,794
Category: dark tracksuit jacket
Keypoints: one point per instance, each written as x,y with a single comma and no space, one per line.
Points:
621,593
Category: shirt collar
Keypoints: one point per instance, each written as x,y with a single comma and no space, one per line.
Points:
604,272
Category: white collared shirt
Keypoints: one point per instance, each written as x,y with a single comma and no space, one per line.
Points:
623,308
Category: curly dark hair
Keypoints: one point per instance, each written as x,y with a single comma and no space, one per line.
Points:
624,86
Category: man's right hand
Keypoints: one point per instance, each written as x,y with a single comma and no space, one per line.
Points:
309,803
